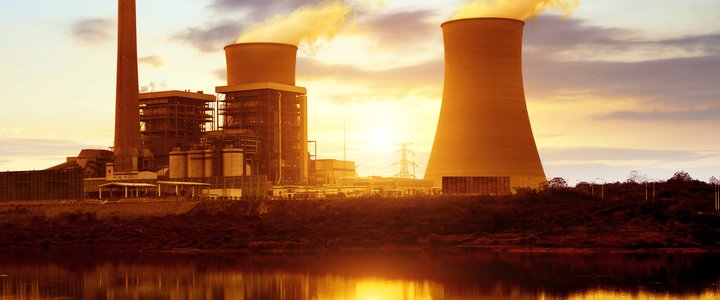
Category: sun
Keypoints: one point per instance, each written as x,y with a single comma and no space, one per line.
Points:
382,138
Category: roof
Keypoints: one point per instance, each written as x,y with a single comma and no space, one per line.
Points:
64,166
127,184
261,86
183,183
180,94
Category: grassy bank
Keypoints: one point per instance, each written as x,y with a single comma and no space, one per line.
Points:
554,218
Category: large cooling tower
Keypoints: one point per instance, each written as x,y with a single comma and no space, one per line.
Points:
127,117
260,62
484,129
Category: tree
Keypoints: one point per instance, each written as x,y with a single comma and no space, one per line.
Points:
557,183
635,177
714,180
681,176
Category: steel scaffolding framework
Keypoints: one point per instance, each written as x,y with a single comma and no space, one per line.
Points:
278,119
170,120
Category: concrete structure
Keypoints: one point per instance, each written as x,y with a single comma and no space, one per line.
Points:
476,186
332,172
261,99
484,128
42,185
93,163
127,119
171,119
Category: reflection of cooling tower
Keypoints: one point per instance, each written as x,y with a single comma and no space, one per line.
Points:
260,62
484,129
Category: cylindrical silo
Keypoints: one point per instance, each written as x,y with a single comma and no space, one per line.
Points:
260,62
196,164
233,162
484,128
178,164
209,162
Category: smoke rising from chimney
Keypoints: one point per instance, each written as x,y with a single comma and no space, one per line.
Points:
307,24
514,9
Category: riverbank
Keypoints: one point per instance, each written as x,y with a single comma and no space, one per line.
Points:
533,221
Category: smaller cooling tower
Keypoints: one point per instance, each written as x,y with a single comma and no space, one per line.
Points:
260,62
261,98
484,129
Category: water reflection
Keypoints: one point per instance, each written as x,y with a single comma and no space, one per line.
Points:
89,275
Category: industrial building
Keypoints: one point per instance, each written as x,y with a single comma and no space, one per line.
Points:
251,140
332,172
484,128
171,119
261,98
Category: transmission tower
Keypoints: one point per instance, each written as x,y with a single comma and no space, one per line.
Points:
407,161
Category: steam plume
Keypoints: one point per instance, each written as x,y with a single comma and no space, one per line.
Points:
515,9
307,24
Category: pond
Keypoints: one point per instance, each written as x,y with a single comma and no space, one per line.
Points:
100,274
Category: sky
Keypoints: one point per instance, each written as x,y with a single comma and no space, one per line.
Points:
619,85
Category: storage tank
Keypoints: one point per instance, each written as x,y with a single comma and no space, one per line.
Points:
484,128
178,164
233,162
209,159
260,62
196,164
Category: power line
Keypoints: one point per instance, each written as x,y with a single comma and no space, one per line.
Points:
407,161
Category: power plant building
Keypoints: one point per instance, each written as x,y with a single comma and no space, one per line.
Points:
261,98
171,119
484,128
332,172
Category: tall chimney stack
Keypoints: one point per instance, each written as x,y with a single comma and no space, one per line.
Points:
484,128
127,117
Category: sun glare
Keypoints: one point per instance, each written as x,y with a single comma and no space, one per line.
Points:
381,138
377,289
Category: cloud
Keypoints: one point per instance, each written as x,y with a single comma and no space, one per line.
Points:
425,73
568,55
211,37
220,74
424,78
590,154
614,164
710,114
93,31
260,9
151,87
154,61
401,28
20,154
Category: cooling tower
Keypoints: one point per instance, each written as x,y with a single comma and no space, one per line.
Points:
484,128
127,117
260,62
261,98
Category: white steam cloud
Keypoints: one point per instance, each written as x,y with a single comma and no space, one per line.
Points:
514,9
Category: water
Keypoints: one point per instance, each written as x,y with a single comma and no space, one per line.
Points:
88,274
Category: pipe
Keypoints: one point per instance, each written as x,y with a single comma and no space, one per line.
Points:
279,179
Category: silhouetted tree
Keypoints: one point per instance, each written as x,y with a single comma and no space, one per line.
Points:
635,177
681,176
714,180
557,183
